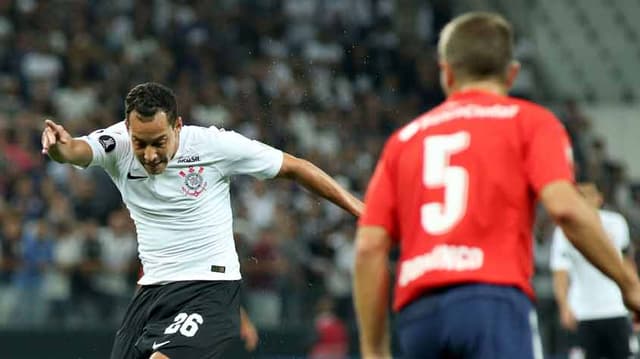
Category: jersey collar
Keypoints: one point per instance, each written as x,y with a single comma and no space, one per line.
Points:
470,93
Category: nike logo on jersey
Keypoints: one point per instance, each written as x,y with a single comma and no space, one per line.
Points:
132,177
156,346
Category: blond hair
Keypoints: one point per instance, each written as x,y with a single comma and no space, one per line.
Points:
477,46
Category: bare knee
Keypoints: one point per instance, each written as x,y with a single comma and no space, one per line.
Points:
158,355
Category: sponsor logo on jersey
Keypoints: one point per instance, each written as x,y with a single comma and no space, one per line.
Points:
188,159
471,111
444,258
107,142
194,183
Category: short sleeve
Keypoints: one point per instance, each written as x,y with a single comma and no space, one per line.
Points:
240,155
548,154
108,145
380,199
560,251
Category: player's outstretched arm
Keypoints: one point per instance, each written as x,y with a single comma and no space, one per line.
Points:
371,291
320,183
61,147
583,228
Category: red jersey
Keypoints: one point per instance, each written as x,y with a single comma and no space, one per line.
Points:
456,188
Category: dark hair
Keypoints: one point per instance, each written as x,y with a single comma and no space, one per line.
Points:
149,98
477,45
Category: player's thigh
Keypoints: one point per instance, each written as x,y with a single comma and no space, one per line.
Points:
591,339
419,335
500,325
131,329
516,335
205,326
470,321
124,346
617,336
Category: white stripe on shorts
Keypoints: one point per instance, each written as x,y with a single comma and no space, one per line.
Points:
535,335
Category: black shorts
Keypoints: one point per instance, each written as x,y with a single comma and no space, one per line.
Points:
191,319
605,338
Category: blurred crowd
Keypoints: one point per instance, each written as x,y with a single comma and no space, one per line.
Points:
324,80
327,80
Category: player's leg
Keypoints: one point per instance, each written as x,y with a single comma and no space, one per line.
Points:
486,321
419,327
590,339
195,319
130,331
515,330
158,355
617,338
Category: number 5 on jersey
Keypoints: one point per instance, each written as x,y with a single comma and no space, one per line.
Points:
440,218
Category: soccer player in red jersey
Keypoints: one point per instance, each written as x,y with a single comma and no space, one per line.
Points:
455,189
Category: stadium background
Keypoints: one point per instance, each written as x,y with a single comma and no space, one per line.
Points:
324,79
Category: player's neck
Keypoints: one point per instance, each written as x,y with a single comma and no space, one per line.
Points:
486,86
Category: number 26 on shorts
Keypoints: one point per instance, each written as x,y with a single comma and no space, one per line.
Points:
188,325
439,218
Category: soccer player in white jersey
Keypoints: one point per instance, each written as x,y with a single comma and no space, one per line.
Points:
174,180
588,301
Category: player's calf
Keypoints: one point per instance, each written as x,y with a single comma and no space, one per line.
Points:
158,355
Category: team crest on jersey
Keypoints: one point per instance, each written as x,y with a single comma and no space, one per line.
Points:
194,183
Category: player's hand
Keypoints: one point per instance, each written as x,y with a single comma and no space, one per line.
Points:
567,319
248,333
631,297
359,206
635,323
52,135
630,289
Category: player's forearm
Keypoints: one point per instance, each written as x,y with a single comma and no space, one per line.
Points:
76,152
584,230
561,288
320,183
630,264
371,287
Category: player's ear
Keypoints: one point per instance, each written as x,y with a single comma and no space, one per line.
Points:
447,77
178,124
512,72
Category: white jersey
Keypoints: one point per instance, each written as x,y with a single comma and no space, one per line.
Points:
592,295
183,215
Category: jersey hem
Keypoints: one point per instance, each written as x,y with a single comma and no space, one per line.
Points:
207,277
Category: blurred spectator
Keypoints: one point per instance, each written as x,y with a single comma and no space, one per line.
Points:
118,255
37,259
210,109
578,126
67,255
91,304
75,102
332,338
260,205
10,263
632,212
262,272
